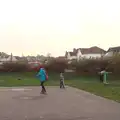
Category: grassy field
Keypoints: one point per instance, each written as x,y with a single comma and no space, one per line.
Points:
87,83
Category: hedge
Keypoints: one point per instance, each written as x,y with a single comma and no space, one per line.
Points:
90,66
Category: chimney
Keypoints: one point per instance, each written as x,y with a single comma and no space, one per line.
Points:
74,50
11,57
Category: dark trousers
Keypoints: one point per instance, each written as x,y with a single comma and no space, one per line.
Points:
43,87
101,78
62,84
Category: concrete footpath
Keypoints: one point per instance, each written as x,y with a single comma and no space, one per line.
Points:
26,103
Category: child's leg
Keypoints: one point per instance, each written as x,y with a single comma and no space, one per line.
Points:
101,78
60,84
43,87
63,86
105,80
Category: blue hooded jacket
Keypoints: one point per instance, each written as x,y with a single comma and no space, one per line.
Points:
41,75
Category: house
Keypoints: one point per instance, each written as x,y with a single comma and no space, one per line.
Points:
31,58
85,53
10,58
39,58
21,59
112,51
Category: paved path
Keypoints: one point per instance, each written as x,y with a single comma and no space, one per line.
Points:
69,104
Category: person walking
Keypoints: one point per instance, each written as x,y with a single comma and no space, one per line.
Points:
105,74
42,77
101,76
62,85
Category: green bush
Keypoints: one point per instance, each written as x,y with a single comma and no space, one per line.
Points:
114,65
15,67
93,66
89,66
56,65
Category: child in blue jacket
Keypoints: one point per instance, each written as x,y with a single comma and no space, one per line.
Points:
42,77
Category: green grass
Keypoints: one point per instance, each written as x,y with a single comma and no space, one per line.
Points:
27,79
87,83
107,91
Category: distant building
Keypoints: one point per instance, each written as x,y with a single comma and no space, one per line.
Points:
10,58
112,51
31,58
85,53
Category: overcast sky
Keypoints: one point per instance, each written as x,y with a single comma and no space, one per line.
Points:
54,26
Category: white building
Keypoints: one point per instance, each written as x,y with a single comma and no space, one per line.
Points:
10,58
112,51
85,53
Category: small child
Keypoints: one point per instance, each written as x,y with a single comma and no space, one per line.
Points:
101,76
62,85
42,77
104,74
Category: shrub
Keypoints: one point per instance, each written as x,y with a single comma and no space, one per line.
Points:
89,66
114,65
56,65
15,67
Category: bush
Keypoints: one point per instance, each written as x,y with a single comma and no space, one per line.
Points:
93,66
114,65
56,65
89,66
15,67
